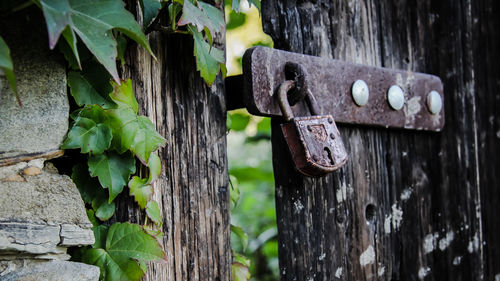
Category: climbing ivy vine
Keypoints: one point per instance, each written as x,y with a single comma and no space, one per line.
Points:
106,128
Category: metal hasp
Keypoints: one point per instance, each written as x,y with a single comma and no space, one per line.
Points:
351,93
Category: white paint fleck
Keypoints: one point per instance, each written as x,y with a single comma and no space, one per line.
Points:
338,272
457,260
368,256
446,241
497,277
322,257
298,206
473,244
397,216
342,193
387,224
430,242
406,194
381,271
498,134
423,271
411,109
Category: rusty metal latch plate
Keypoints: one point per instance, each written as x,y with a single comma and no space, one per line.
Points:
331,82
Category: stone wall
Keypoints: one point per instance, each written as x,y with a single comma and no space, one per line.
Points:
41,211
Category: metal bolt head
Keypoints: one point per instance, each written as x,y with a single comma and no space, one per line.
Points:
309,128
434,102
396,97
330,120
360,92
332,136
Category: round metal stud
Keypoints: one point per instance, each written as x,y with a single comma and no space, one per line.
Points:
360,92
434,102
396,97
332,136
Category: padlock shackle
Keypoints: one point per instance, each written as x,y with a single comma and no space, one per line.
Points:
286,110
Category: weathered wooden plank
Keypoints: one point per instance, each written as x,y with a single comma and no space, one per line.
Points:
407,205
193,188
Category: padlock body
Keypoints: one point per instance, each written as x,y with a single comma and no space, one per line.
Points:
315,144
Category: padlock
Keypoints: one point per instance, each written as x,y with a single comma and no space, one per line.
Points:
314,141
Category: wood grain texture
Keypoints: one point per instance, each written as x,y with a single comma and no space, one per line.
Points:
408,205
193,188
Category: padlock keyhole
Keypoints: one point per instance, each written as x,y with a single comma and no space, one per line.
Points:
329,155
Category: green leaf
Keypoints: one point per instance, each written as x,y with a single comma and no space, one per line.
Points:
123,95
141,190
235,5
153,212
240,272
173,10
89,187
84,92
134,133
208,59
121,48
256,3
154,165
103,209
235,20
234,192
239,258
93,21
195,16
214,15
113,171
241,234
100,234
124,253
88,136
239,121
92,217
150,9
7,67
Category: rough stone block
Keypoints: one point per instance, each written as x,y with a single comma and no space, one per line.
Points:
26,270
40,124
41,214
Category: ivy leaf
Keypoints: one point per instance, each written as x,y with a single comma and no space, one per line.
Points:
126,249
141,190
215,15
88,136
7,67
112,170
154,165
89,187
256,3
83,91
240,272
93,21
235,5
241,234
92,218
103,209
203,16
153,212
150,9
208,59
134,133
123,95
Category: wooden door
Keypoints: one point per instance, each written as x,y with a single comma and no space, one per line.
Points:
408,205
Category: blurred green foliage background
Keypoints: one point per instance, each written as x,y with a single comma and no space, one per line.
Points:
253,213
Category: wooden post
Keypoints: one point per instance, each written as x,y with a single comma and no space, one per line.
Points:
193,189
408,205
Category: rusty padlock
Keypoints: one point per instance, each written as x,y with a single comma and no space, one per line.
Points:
314,141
